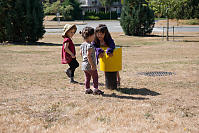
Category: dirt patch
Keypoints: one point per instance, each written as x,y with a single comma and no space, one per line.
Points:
36,96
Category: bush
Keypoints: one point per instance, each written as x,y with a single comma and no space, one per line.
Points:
101,15
22,20
191,22
93,17
137,18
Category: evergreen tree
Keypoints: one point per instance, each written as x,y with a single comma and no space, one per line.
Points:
23,21
137,18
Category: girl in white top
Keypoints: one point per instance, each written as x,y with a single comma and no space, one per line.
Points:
89,61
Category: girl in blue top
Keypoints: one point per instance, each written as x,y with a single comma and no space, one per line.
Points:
103,38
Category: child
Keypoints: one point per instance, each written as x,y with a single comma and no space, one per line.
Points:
89,61
103,38
68,51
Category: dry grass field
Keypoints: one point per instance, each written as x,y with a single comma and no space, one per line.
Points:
36,96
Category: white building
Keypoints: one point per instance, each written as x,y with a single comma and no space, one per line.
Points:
94,5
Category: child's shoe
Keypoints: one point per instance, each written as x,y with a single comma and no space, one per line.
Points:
88,91
73,81
98,92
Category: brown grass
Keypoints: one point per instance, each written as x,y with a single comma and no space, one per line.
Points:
174,22
36,96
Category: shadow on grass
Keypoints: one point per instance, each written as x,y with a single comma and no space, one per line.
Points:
124,97
37,44
134,91
100,84
190,41
166,36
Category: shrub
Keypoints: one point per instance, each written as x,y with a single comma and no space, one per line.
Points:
101,15
93,17
137,18
22,20
192,22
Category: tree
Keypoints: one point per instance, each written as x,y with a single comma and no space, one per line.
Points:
76,12
179,9
106,4
137,18
23,21
66,12
53,8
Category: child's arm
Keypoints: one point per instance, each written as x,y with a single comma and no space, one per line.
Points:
111,48
68,50
93,67
81,52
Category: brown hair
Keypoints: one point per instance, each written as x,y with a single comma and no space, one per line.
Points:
102,28
73,27
87,31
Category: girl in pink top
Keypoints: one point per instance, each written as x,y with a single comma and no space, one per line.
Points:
68,51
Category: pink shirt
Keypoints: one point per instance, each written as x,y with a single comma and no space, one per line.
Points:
66,57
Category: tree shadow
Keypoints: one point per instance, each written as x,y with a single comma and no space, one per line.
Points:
134,91
190,41
37,44
124,97
127,46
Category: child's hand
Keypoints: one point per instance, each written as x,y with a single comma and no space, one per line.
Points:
73,56
110,54
101,55
93,67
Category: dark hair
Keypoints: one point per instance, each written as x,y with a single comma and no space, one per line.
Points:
102,28
87,31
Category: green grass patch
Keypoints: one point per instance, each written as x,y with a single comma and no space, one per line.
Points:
191,22
160,18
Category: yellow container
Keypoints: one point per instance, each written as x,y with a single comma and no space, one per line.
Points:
111,64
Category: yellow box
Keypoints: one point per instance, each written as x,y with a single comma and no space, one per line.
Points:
111,64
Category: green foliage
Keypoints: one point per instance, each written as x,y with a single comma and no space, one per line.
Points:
137,18
66,11
69,9
22,20
179,9
76,12
92,17
50,9
192,22
100,15
106,3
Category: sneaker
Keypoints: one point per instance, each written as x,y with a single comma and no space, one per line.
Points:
88,91
98,92
73,82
